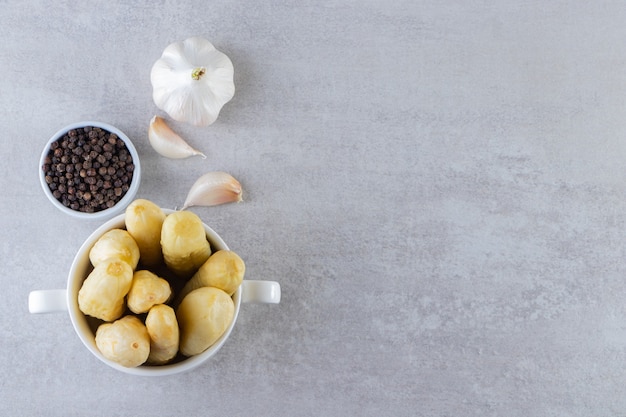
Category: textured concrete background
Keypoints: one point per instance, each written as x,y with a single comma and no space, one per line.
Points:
438,186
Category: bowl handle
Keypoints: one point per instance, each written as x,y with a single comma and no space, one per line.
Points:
260,292
47,301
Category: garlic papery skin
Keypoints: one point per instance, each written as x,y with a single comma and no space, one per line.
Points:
192,81
212,189
167,142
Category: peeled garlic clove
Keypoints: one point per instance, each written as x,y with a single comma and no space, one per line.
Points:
115,244
146,291
184,243
224,270
103,292
212,189
164,334
125,341
203,316
144,220
167,143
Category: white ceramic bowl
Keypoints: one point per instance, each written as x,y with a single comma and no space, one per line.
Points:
48,301
120,205
84,325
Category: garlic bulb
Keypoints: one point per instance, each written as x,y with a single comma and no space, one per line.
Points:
167,143
212,189
192,81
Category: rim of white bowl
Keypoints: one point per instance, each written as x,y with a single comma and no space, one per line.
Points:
120,205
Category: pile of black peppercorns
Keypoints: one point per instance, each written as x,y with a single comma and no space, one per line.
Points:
88,169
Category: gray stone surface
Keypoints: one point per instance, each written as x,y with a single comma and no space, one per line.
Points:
437,185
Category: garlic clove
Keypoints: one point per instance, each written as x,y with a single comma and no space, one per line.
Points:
212,189
167,142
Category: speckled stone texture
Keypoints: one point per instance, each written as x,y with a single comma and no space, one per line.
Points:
437,185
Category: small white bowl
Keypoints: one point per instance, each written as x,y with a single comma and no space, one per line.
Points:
120,205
